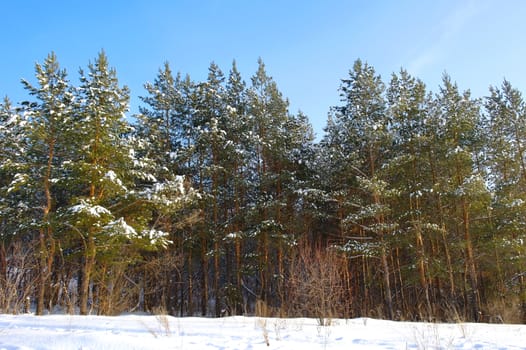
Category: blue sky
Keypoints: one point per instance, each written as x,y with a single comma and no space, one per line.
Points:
307,45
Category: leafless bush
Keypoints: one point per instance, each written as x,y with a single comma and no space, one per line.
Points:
17,281
115,292
316,285
502,310
146,286
160,282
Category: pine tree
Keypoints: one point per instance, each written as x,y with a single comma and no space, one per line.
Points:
16,211
104,212
278,139
13,169
210,145
165,124
362,129
50,123
409,173
234,198
506,152
161,124
459,137
269,112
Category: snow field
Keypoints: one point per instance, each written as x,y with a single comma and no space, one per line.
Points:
28,332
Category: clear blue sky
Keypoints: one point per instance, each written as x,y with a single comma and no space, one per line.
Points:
307,45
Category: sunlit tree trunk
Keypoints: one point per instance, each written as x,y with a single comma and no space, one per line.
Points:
47,243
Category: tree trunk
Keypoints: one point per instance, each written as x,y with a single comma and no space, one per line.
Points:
47,252
87,269
470,264
47,244
522,281
217,273
445,243
204,279
420,254
190,307
387,284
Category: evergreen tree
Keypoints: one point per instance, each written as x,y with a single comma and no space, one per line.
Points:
364,127
50,125
276,175
506,152
108,210
16,210
210,144
461,181
409,173
161,123
269,112
234,199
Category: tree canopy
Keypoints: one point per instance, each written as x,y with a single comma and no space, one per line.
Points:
215,199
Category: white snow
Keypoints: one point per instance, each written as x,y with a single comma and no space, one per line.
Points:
112,177
94,211
165,332
18,180
120,227
157,237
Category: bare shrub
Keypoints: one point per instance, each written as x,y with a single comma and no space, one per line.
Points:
161,282
17,283
115,291
145,286
502,310
316,285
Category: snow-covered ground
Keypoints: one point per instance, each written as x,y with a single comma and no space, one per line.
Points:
163,332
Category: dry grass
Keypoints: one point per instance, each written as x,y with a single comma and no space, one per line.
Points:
163,327
262,324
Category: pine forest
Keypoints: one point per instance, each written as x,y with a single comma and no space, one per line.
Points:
214,199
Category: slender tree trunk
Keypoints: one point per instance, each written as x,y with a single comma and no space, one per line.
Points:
47,253
349,294
3,265
366,299
443,230
217,272
238,193
279,256
204,278
395,261
265,271
470,263
190,307
87,270
380,219
387,283
216,238
414,206
522,283
420,253
46,241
